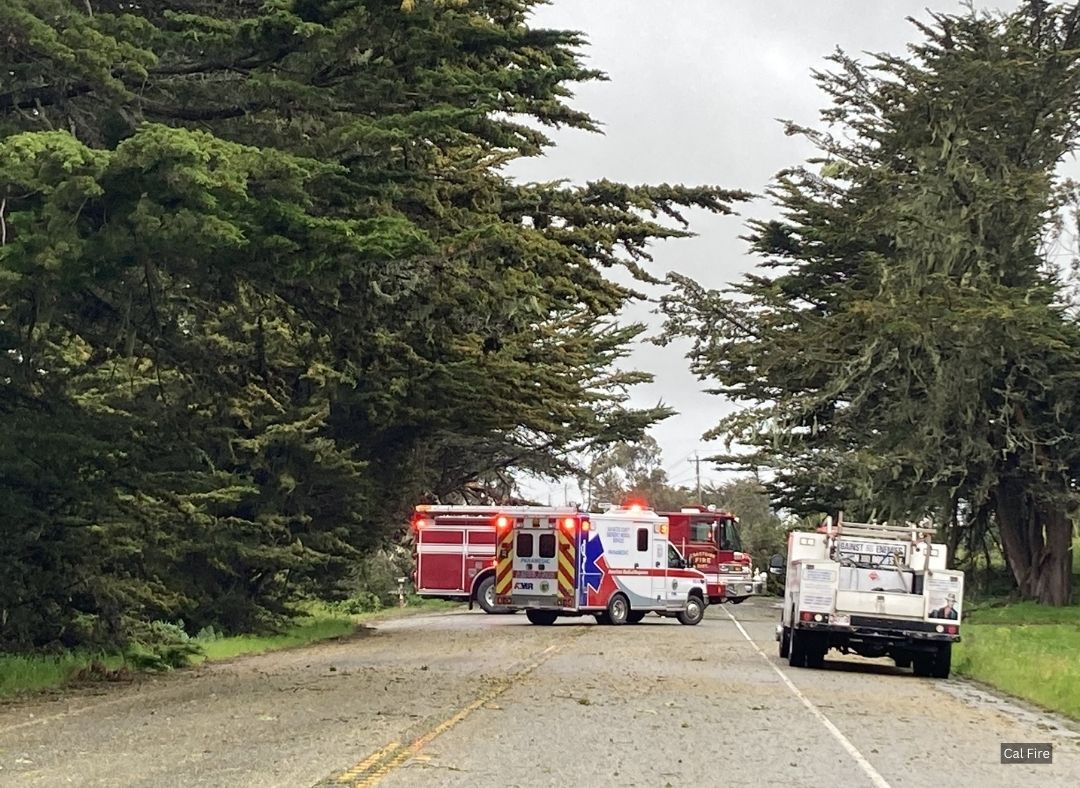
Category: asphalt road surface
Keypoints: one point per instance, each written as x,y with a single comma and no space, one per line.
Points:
465,699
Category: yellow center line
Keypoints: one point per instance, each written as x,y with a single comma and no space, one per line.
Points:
382,762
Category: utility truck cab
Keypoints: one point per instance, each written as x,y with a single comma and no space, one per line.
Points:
617,566
874,589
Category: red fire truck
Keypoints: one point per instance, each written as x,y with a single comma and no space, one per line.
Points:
454,551
710,542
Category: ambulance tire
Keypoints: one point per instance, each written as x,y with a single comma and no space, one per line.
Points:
543,618
785,642
602,618
485,595
693,612
618,609
636,617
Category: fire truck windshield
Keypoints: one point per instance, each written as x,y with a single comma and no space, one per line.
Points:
728,535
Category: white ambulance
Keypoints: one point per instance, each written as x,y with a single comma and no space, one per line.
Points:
617,566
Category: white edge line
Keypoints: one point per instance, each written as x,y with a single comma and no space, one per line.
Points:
865,765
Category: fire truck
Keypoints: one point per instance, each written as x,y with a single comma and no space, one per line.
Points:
710,542
874,589
617,566
454,551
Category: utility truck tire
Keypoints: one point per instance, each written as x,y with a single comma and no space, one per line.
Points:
693,612
618,609
903,660
797,649
785,642
942,661
485,595
635,617
544,618
815,650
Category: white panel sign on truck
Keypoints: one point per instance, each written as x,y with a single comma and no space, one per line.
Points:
817,590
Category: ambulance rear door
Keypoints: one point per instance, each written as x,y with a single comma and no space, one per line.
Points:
535,567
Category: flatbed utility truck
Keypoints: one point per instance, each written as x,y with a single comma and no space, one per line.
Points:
873,589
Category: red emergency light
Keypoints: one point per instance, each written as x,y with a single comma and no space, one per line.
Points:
568,523
421,523
585,525
502,521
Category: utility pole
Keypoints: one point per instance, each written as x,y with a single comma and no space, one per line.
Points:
697,473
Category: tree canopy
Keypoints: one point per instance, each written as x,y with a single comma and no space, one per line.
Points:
904,346
265,284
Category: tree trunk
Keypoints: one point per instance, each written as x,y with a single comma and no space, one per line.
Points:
1037,540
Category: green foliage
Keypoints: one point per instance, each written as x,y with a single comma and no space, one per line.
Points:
904,348
264,286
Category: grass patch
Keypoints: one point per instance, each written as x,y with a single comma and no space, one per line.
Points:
34,673
1027,650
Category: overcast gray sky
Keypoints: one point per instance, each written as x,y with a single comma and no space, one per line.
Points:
695,91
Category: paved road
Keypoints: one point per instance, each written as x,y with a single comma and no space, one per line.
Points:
471,700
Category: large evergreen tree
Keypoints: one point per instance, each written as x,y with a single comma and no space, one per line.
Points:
903,346
263,285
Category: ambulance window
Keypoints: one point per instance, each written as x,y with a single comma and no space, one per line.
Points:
547,545
524,546
643,540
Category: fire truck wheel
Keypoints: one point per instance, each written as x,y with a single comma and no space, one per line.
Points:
485,595
544,618
635,617
785,642
618,609
693,612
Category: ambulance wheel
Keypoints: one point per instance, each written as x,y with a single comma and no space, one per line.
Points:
544,618
635,617
602,618
485,595
785,642
693,612
618,609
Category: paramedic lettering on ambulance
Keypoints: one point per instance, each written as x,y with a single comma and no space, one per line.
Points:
948,611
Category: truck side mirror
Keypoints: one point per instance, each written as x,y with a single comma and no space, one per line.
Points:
777,565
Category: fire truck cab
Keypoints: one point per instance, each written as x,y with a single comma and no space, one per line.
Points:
617,566
710,541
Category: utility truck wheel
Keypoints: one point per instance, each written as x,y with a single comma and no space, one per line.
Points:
924,664
797,649
618,609
485,595
635,617
815,650
942,661
903,660
785,642
544,618
693,612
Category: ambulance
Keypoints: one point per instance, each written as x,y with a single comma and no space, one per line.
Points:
618,566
